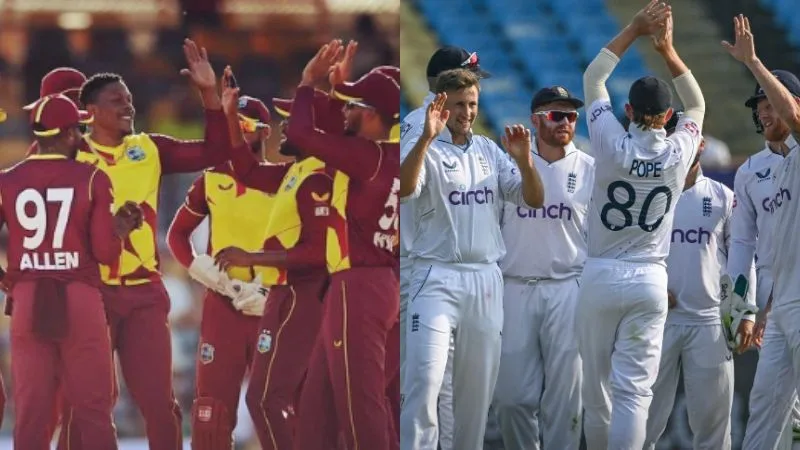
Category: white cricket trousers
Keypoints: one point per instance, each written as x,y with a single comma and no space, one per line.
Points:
464,300
708,381
763,419
540,367
446,392
622,307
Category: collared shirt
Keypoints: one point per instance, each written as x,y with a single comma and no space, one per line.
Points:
459,197
555,233
698,252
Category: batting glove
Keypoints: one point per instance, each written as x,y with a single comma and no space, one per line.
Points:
733,308
204,271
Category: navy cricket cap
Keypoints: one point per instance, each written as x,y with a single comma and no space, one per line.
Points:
788,79
450,57
554,94
650,95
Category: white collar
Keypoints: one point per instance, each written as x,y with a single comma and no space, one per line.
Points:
653,138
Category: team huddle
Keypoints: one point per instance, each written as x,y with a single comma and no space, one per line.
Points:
301,269
564,292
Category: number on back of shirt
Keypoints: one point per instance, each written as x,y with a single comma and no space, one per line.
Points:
31,212
623,208
389,222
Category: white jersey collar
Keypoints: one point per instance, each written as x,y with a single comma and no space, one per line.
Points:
651,139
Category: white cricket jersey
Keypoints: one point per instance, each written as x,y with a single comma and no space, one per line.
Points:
753,189
698,252
411,128
786,217
550,242
639,176
459,198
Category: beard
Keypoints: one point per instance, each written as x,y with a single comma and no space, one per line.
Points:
288,149
552,138
255,147
777,132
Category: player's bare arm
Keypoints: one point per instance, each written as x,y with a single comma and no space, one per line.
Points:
201,73
517,141
743,50
435,121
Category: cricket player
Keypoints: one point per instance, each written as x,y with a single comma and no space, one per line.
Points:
135,297
445,58
540,363
296,233
694,340
639,176
229,327
61,80
458,286
751,235
348,368
779,360
60,225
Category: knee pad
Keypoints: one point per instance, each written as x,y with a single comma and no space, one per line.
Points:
211,425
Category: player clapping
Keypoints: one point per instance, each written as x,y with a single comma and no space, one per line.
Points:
639,175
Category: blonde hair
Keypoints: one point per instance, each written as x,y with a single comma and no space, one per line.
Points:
456,80
649,121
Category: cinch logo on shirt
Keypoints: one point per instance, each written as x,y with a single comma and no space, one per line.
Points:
546,212
771,204
691,236
478,196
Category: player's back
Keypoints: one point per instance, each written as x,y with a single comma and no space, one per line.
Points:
638,181
372,213
50,205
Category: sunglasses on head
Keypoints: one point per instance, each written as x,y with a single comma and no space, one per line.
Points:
249,125
558,116
471,62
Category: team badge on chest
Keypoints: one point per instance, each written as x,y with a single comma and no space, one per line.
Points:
706,206
572,180
264,342
484,164
135,153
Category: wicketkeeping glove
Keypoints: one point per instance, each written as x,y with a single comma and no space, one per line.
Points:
733,307
205,272
251,298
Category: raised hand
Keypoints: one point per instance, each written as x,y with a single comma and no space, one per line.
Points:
743,48
662,40
230,94
320,65
341,71
517,142
199,68
652,18
436,117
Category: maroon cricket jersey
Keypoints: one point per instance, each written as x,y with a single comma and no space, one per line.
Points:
60,225
365,191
